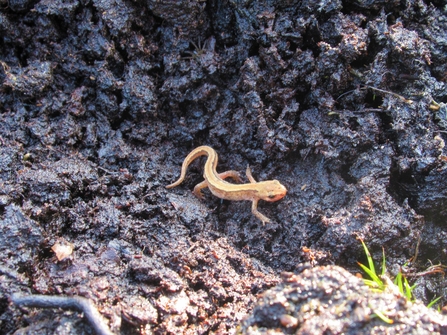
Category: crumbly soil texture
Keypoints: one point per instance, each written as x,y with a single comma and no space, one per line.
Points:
343,102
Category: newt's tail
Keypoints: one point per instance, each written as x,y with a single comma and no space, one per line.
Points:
197,152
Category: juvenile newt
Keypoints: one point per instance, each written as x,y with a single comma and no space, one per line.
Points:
269,190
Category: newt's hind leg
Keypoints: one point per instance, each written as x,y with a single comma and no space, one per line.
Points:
231,174
198,189
224,175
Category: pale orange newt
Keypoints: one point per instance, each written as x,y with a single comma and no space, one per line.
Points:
269,190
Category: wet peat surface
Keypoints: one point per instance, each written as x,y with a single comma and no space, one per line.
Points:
343,102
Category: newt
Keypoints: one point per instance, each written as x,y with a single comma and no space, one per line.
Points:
269,190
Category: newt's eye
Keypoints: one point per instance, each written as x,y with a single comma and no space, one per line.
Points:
272,196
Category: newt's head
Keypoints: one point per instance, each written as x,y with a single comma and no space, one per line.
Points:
271,190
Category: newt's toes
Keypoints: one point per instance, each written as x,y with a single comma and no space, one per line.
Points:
199,195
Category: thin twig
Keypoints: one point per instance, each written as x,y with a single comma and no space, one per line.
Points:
416,252
342,95
78,303
408,101
373,110
107,171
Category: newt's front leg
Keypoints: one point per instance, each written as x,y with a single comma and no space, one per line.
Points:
254,210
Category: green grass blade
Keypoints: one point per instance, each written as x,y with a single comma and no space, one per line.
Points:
398,283
434,301
369,257
382,317
370,273
374,278
370,283
408,289
383,262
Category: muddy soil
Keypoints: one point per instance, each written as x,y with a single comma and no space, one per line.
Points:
343,102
